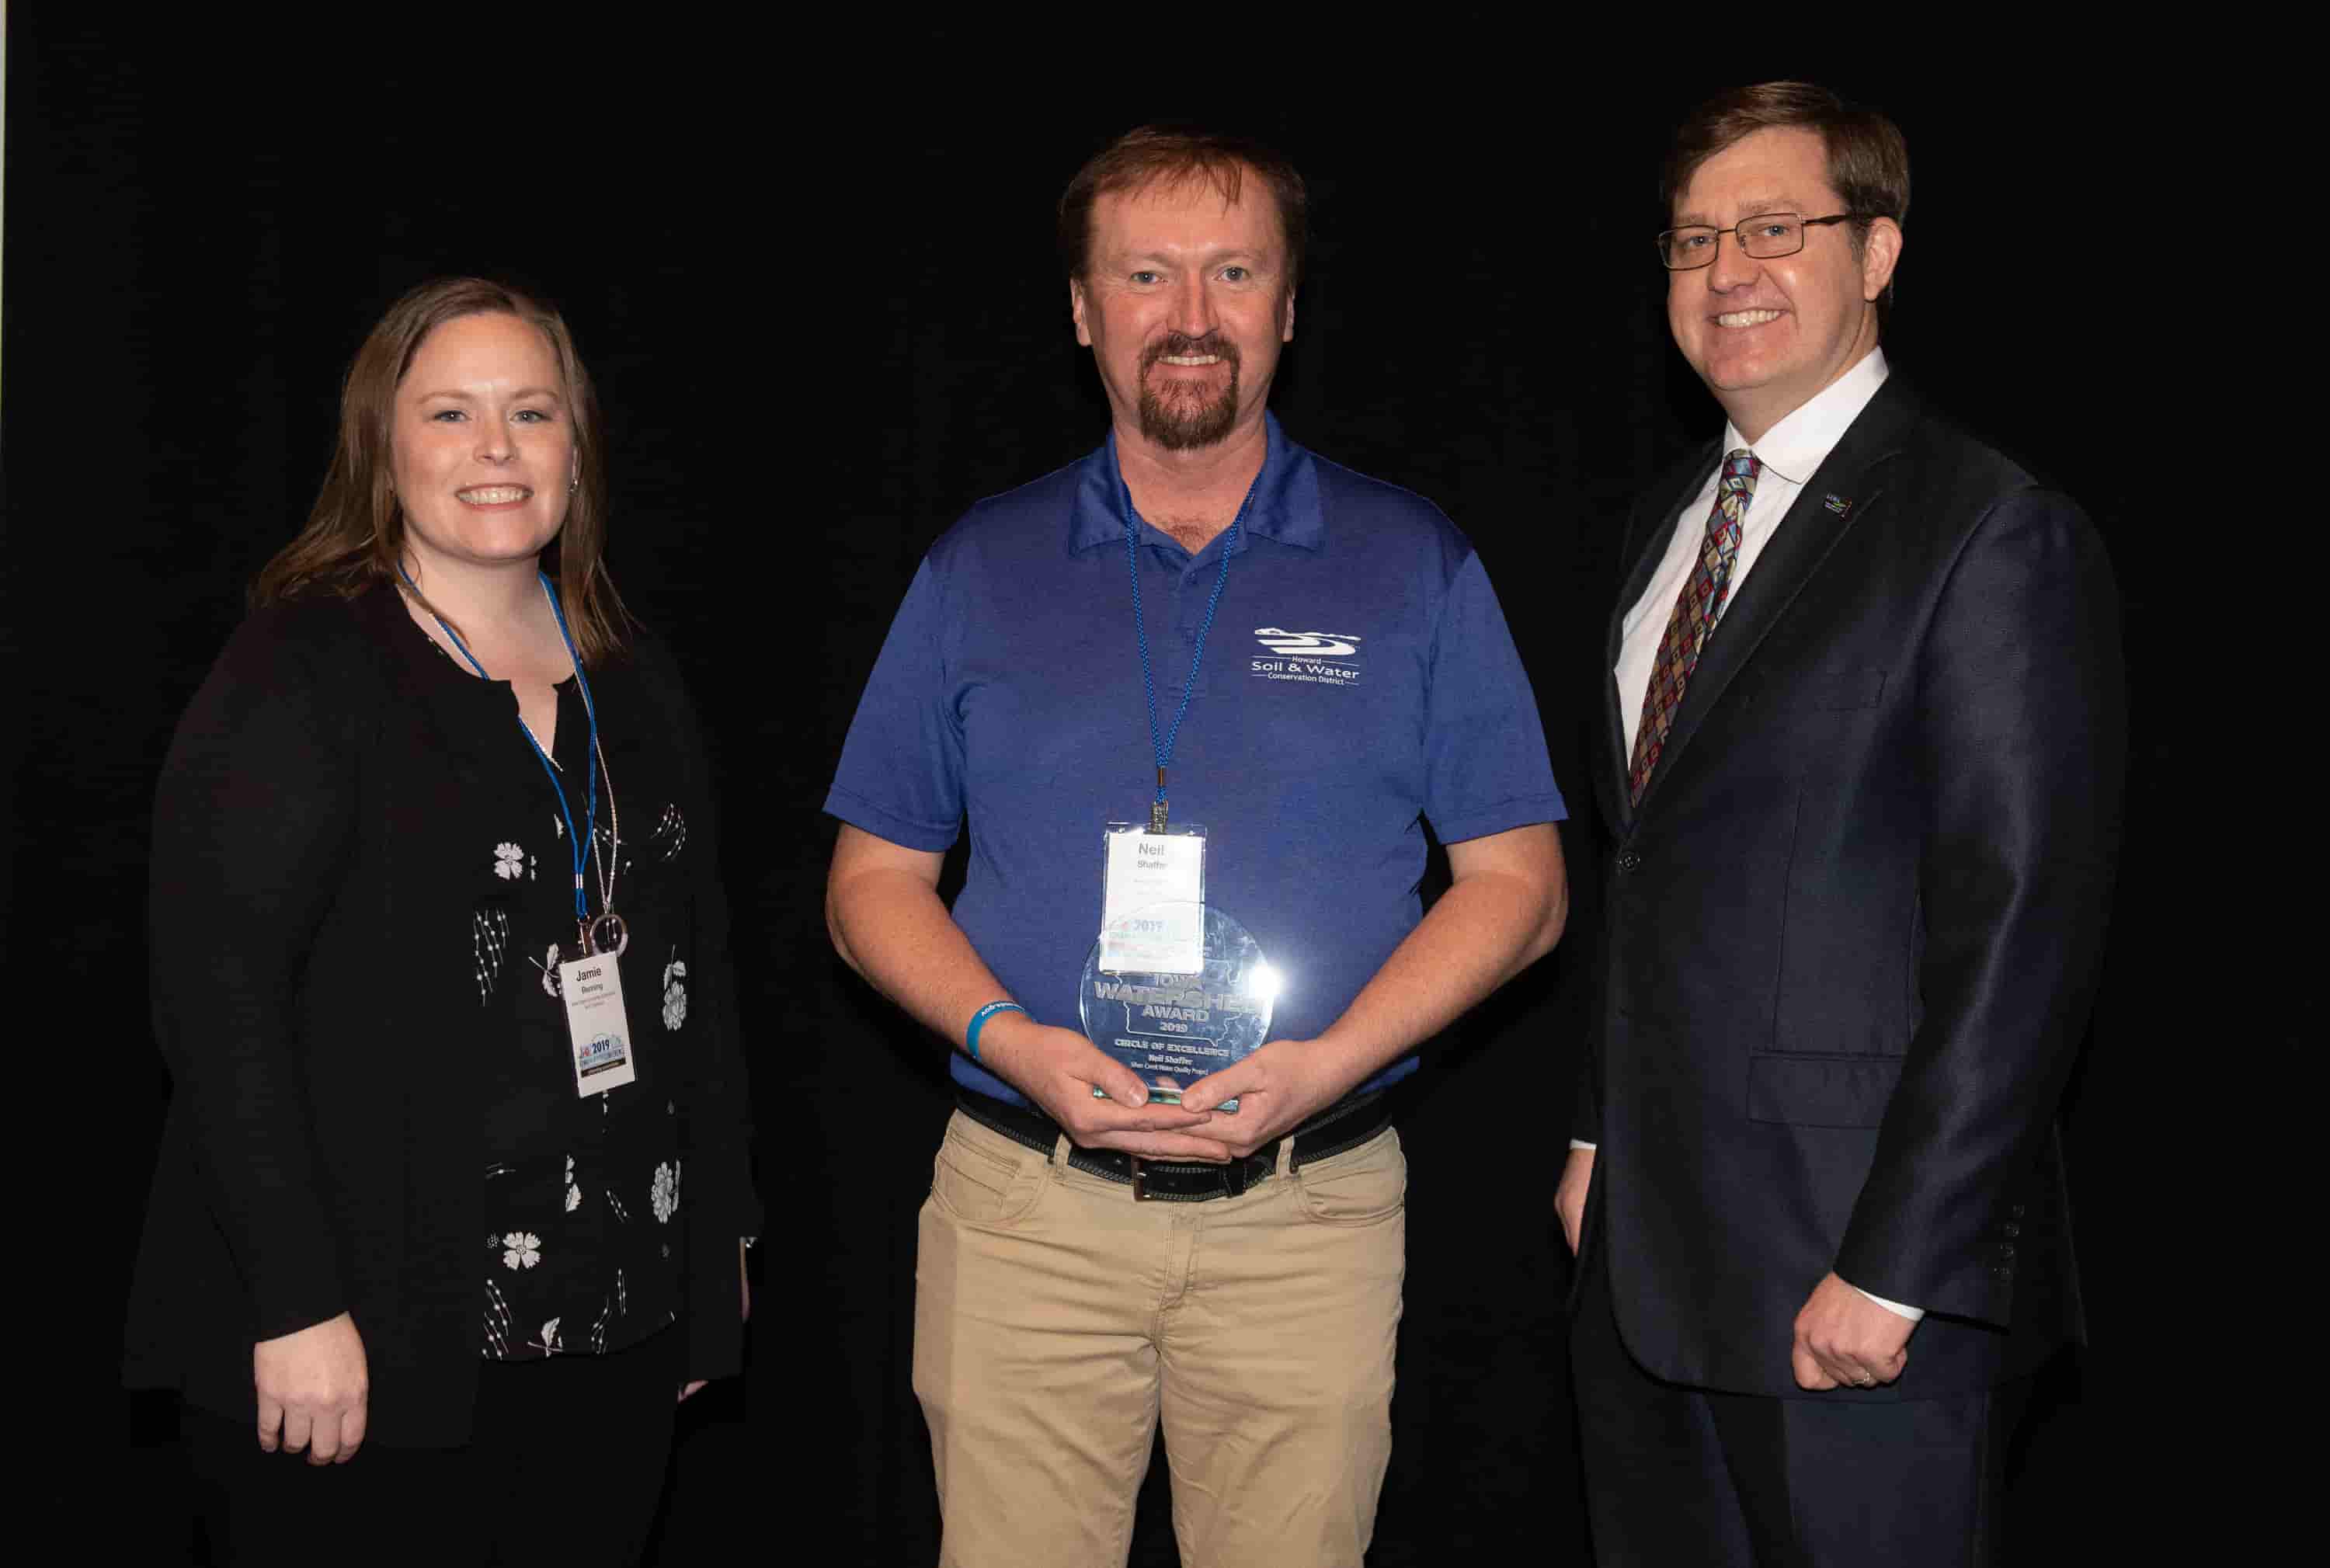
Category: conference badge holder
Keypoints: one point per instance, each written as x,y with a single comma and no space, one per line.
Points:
596,1023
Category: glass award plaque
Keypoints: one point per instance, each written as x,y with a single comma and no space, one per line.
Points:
1173,1026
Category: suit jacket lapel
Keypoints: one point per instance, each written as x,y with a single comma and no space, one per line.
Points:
1811,529
1650,529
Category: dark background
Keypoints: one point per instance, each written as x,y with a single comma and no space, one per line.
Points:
816,287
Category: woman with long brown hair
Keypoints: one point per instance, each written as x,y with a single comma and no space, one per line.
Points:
439,957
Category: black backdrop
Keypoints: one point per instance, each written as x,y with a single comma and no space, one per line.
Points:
816,287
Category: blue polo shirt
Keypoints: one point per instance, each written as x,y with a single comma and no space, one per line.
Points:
1359,680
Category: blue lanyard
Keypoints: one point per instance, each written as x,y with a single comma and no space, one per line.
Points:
1163,747
574,846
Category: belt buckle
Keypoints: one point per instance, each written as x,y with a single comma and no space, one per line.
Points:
1139,1183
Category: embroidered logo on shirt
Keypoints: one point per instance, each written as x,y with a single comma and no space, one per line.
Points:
1838,504
1325,645
1302,655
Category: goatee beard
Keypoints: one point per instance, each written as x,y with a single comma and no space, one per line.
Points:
1189,419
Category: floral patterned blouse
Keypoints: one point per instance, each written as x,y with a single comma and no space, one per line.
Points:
582,1193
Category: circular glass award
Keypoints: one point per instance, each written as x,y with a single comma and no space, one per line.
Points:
1175,991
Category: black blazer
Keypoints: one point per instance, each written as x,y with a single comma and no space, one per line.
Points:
1855,925
312,925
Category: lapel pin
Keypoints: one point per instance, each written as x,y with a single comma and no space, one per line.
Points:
1839,504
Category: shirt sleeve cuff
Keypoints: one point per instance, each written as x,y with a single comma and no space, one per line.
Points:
1581,1143
883,822
1913,1314
1502,816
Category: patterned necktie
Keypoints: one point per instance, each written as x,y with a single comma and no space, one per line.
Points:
1696,610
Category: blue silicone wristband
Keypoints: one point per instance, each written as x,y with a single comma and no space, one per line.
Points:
979,1021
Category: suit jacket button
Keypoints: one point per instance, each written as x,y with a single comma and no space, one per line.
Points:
1628,860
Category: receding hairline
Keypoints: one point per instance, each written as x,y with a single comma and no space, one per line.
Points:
1226,174
1155,159
1228,178
1165,183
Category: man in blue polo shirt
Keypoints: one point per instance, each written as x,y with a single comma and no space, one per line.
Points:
1311,664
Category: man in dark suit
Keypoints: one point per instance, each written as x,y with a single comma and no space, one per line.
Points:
1865,738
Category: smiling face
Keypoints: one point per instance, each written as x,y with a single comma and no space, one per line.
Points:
1184,304
1766,335
483,443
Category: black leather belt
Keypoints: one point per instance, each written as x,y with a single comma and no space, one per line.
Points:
1343,1126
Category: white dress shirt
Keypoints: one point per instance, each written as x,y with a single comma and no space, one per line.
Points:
1789,452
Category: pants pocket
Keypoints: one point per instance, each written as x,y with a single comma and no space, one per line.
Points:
1361,1186
975,1187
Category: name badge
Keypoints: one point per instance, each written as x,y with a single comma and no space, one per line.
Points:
1153,907
596,1023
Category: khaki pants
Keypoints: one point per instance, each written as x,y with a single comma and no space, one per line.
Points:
1056,1319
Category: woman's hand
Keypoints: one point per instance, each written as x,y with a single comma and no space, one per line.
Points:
314,1391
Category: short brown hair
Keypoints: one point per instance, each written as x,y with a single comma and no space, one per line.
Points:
1867,157
1182,155
355,535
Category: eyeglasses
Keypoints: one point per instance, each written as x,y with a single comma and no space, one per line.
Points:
1764,237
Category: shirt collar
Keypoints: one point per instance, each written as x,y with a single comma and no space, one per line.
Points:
1285,497
1801,442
